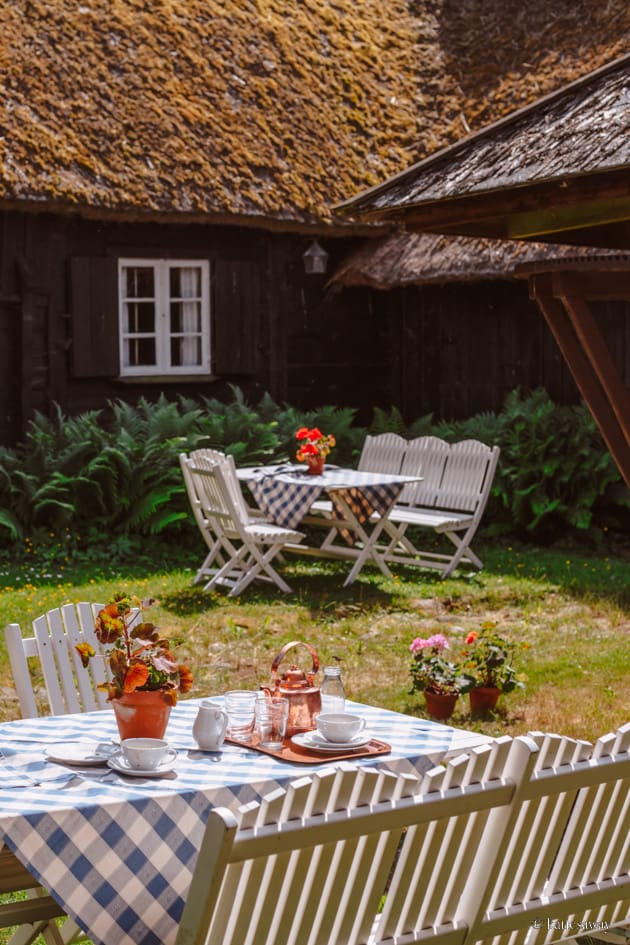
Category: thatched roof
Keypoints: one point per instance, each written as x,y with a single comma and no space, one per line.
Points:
581,129
268,111
405,258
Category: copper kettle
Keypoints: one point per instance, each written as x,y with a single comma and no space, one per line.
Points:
296,686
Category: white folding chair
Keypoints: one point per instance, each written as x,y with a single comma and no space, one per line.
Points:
241,545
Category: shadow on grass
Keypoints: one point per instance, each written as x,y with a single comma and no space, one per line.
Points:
317,586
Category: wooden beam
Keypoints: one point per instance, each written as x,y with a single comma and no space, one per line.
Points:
554,218
596,285
583,373
600,360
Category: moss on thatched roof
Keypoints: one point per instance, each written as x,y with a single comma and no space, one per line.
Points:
273,110
581,129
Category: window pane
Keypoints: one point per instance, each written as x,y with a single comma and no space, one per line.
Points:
185,282
139,317
139,352
185,317
139,282
185,352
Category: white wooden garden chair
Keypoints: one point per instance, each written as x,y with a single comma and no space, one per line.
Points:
241,545
69,686
381,453
515,844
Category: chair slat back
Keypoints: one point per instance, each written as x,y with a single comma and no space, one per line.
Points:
595,850
426,457
70,687
194,496
382,453
218,490
468,475
568,845
312,863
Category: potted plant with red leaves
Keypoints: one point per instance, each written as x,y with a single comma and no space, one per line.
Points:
146,679
313,449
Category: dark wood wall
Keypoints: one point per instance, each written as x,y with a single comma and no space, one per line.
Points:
449,350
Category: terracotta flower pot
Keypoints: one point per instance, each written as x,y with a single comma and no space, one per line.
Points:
141,714
440,706
483,699
316,465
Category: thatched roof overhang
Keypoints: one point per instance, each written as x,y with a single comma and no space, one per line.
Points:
557,170
310,227
410,258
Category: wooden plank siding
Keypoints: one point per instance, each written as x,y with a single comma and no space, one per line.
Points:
452,350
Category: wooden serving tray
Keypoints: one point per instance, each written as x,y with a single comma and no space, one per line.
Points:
308,756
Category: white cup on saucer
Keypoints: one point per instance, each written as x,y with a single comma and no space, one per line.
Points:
339,726
144,754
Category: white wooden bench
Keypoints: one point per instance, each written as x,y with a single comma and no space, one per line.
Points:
450,499
523,841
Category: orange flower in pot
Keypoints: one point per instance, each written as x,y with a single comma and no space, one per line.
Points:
313,449
146,679
487,668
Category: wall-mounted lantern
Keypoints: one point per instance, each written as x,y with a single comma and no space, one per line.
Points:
315,258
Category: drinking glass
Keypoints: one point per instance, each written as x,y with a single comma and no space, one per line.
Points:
271,721
239,705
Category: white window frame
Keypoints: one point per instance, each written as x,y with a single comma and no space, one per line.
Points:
162,333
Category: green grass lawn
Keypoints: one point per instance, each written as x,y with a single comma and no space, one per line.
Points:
569,608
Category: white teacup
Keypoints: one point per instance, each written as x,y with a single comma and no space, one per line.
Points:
144,754
339,726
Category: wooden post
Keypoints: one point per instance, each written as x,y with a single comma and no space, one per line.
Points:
586,363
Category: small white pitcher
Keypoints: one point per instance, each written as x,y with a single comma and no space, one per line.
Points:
210,726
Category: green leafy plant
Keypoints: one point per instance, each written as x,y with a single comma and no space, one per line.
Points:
488,660
554,468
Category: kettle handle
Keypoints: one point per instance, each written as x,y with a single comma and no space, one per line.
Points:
283,652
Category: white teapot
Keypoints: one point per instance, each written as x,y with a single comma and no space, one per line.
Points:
210,726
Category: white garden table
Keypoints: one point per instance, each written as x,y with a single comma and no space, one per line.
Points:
286,494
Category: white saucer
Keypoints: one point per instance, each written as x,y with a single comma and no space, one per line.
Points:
120,764
317,742
84,754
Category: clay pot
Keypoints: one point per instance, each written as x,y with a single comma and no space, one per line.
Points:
440,706
316,465
483,699
141,714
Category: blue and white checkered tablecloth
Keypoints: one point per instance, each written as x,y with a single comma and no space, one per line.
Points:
285,494
118,852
